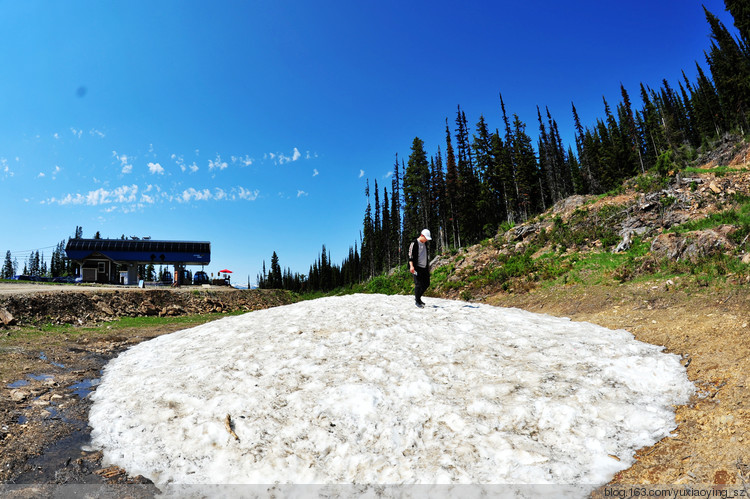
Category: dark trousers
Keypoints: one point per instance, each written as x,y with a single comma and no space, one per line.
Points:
421,282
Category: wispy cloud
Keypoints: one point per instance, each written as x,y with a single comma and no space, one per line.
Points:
243,193
217,194
5,168
246,161
361,173
125,162
281,158
77,133
192,194
155,169
96,133
315,172
301,194
122,194
217,164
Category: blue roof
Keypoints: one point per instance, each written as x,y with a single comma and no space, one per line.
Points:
141,251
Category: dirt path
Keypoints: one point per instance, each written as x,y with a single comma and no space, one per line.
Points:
710,329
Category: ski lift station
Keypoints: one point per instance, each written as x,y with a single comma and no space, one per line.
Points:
116,261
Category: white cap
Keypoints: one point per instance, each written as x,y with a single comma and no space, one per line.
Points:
427,235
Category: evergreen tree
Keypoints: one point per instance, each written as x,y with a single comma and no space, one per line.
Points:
395,225
629,127
150,273
274,279
526,170
7,272
740,11
416,190
452,188
730,67
587,182
368,239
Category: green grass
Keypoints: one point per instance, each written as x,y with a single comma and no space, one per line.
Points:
719,170
739,217
118,324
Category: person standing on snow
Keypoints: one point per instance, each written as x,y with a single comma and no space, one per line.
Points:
419,265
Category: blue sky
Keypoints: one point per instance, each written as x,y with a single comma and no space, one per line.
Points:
254,125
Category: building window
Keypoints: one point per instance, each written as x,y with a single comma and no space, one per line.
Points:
102,267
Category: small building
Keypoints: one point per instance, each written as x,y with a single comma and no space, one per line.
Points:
116,261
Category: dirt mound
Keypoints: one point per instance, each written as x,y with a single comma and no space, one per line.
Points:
59,307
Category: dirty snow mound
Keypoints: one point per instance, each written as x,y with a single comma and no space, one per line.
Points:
370,389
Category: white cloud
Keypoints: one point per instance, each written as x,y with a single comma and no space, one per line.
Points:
179,161
192,194
56,135
286,159
96,133
41,175
246,161
217,164
155,168
361,173
7,172
315,172
122,194
77,133
193,167
248,195
125,162
301,194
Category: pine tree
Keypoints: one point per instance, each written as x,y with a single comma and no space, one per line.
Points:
395,225
275,280
452,188
416,190
730,67
586,178
368,245
7,272
526,170
485,203
629,126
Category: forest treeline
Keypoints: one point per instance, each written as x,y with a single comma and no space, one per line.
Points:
487,178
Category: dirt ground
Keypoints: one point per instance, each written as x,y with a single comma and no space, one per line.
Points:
710,330
46,375
44,378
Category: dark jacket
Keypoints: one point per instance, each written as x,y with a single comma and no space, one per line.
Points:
414,253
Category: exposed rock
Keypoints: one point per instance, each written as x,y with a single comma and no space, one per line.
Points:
693,245
746,259
714,187
148,308
19,395
6,317
172,311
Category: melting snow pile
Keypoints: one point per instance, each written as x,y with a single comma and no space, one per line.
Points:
370,389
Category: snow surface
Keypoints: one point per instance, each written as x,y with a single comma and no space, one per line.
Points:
369,389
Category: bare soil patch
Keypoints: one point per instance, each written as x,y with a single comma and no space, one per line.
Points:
46,375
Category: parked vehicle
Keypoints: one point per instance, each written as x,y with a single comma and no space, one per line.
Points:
201,277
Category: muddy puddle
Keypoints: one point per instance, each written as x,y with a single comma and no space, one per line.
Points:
45,437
